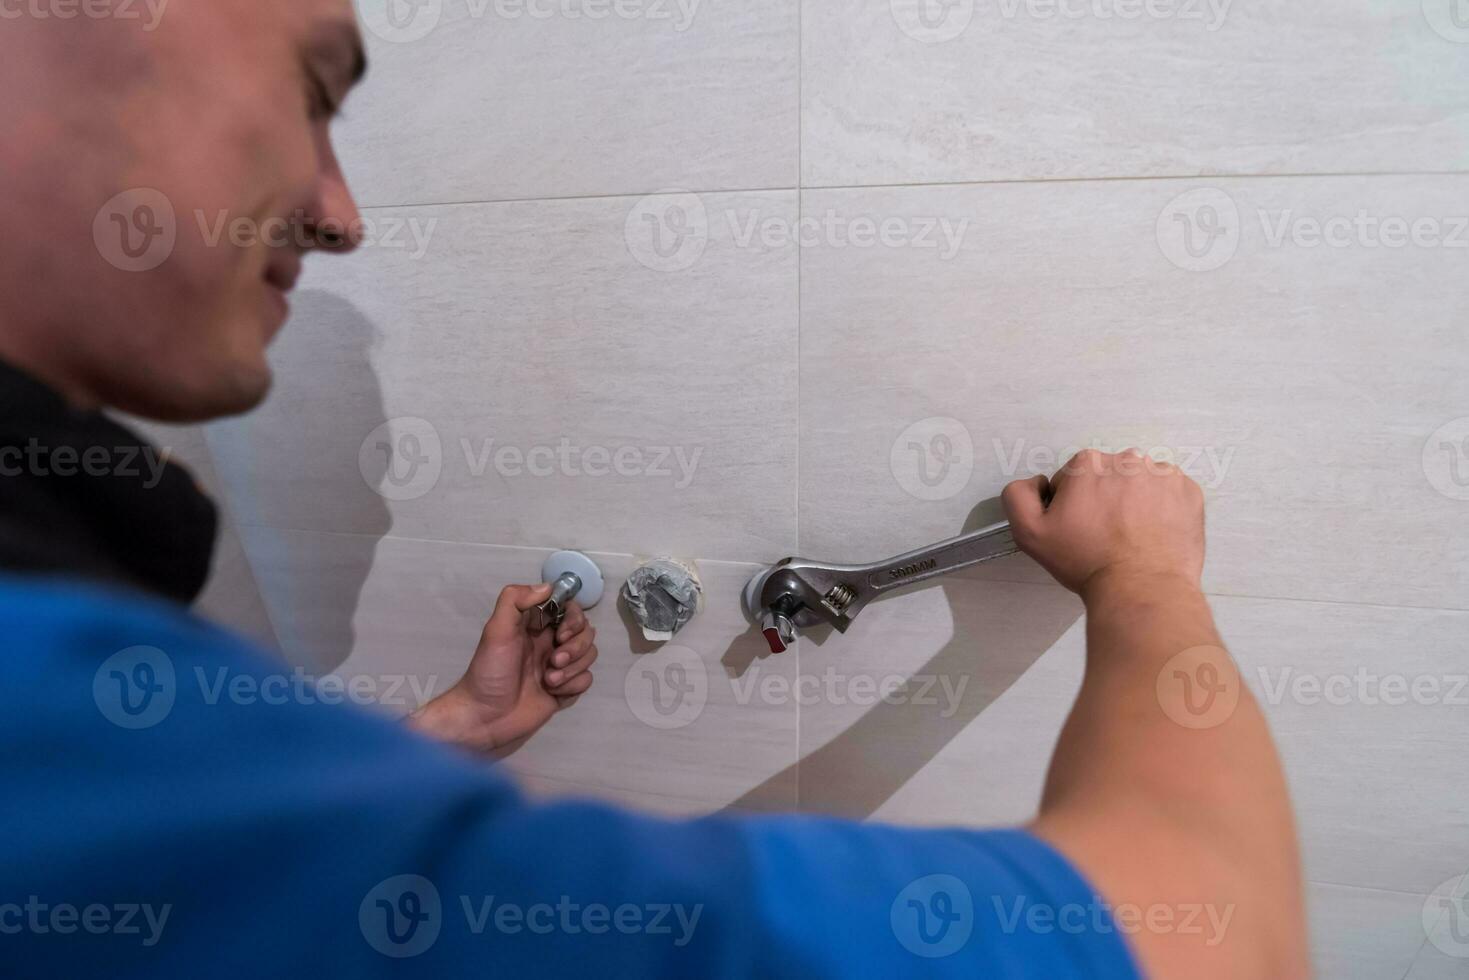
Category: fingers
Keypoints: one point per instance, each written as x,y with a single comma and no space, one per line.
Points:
1095,463
572,659
1133,461
1025,505
1130,462
572,689
1088,461
574,623
504,622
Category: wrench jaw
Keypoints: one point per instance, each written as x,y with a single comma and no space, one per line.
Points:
795,593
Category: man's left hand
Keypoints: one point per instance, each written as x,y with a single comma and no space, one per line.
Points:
518,678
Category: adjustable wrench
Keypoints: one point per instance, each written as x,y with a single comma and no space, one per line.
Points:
798,592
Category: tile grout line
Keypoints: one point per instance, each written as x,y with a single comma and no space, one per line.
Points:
1414,961
1216,594
470,544
800,257
1427,938
901,185
758,564
1335,602
1423,943
1404,892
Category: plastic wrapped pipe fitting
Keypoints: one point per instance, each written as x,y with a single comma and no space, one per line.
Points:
662,595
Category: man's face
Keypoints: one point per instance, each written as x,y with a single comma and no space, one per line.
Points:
163,183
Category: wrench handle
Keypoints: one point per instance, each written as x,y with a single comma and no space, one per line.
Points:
931,561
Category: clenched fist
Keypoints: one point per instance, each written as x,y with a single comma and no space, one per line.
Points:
1110,516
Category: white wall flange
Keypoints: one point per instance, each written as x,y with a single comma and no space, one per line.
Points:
583,568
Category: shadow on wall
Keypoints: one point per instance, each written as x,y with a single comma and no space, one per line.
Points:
299,449
993,644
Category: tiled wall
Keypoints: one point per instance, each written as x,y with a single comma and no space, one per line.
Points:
733,280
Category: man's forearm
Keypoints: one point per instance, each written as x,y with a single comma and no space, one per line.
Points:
1166,762
1122,740
451,717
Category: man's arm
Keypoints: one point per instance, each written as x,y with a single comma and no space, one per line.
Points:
364,851
1165,788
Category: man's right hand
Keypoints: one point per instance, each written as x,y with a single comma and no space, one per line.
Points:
1110,517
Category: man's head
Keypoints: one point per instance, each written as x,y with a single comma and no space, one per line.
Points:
164,173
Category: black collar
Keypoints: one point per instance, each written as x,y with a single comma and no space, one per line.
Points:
82,495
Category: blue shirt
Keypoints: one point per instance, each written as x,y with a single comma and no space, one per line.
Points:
174,807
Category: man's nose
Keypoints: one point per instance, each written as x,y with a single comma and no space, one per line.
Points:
337,223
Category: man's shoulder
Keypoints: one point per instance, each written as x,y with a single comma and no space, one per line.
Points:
56,622
138,699
57,602
97,663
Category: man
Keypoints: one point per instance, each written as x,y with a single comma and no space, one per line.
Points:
241,836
